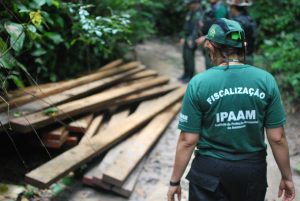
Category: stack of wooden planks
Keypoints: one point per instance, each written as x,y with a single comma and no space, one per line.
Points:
121,110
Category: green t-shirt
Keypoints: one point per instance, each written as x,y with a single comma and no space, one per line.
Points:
230,108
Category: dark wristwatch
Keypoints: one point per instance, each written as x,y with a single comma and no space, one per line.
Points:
174,183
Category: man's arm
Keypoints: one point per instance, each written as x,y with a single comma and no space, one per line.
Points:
279,146
185,148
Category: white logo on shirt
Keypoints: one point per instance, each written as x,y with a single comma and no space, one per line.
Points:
183,118
238,120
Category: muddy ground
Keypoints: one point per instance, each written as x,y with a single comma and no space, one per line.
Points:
165,57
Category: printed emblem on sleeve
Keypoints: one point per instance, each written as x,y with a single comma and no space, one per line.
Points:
183,118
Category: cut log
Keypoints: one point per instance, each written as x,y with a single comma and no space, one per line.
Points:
132,154
97,121
80,125
84,105
127,188
56,168
67,85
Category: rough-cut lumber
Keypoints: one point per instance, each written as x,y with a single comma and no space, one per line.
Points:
66,85
75,92
127,188
71,141
68,95
111,65
109,157
128,158
140,96
97,121
56,144
84,105
53,170
143,74
115,119
105,163
55,134
81,125
31,90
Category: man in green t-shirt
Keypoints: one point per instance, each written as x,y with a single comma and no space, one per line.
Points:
224,114
191,31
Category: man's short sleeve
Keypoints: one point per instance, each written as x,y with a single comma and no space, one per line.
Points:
275,116
190,116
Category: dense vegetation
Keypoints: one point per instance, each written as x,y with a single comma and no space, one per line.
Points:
50,40
279,39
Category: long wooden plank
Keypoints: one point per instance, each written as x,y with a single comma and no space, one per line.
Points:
111,65
144,74
84,105
97,121
53,170
65,85
115,119
136,97
127,188
101,165
128,159
68,95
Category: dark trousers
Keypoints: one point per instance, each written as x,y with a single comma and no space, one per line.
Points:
188,60
221,180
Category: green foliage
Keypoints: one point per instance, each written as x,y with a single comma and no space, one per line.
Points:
51,40
279,38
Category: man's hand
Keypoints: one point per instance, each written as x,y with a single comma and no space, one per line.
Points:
173,192
287,189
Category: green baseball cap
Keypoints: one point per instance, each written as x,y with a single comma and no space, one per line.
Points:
226,32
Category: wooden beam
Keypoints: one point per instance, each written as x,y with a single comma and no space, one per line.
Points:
97,121
144,74
132,154
98,169
127,188
81,125
84,105
67,95
111,65
66,85
56,168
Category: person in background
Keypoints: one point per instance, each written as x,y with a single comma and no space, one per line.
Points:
239,13
216,10
224,114
191,31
